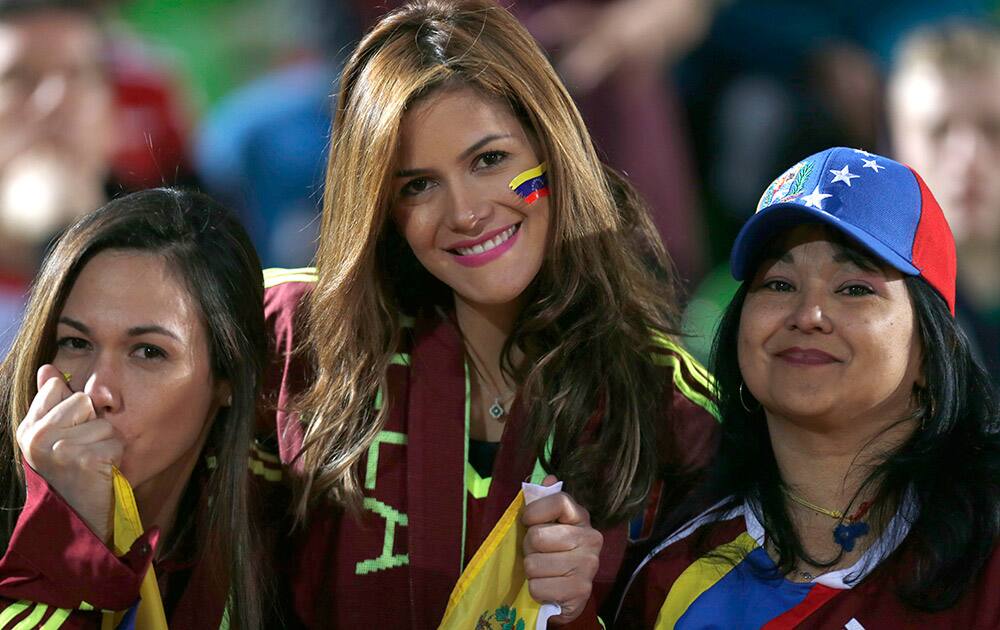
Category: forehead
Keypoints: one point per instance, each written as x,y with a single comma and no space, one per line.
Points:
816,244
453,119
52,36
122,287
928,92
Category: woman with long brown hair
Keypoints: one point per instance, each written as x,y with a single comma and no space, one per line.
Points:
140,359
490,304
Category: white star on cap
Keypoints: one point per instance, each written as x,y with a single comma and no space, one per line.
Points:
843,175
872,165
815,198
863,152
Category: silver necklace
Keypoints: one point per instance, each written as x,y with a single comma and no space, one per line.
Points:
497,410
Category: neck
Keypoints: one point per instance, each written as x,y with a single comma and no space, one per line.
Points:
486,328
159,497
829,467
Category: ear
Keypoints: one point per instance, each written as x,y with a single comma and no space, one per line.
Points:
224,393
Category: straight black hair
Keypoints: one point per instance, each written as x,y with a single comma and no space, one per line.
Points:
950,465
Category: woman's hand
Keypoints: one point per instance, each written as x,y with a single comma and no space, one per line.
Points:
63,441
561,552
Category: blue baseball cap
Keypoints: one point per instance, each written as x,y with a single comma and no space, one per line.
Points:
881,204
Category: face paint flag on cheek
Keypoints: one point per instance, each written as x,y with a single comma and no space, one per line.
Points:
531,185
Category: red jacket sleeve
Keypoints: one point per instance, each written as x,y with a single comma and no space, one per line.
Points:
54,557
288,374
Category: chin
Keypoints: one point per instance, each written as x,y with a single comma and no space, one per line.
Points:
803,407
491,298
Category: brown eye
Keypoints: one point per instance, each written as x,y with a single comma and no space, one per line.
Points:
72,343
857,290
781,286
149,352
415,187
490,158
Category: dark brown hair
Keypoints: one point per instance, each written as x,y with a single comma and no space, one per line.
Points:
210,252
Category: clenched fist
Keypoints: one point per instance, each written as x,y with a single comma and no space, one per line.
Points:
561,552
65,442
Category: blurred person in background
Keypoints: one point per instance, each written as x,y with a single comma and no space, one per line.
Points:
944,114
262,148
56,132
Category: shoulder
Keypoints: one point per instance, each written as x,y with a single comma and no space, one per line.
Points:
693,387
717,534
285,292
285,288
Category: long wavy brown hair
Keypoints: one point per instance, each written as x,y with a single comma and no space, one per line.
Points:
605,285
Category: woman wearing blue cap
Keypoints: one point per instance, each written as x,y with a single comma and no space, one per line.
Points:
858,483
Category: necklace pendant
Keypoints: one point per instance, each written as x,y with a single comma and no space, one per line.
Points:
497,410
846,533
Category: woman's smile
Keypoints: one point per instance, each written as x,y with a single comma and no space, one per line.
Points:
477,252
806,356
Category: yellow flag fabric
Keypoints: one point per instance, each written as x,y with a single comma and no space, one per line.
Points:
128,527
492,592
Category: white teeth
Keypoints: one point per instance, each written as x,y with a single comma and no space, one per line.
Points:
488,245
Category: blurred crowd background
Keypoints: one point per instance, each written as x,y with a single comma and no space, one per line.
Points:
701,102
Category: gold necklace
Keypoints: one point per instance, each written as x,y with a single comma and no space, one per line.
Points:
834,514
848,528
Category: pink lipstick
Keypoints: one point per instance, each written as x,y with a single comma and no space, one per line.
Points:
489,247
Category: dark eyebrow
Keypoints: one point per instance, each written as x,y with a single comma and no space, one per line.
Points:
75,324
135,331
410,172
482,143
847,255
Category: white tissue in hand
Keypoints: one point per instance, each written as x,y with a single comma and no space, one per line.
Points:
533,492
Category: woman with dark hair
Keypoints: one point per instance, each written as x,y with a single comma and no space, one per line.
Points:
858,482
142,352
490,304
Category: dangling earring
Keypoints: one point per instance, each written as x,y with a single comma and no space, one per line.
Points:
743,402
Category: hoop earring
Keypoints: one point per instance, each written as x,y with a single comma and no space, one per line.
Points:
743,402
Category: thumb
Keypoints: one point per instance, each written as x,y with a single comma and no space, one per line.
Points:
46,373
549,480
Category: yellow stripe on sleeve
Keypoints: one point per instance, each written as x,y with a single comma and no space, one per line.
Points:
13,610
32,620
698,371
678,358
57,619
276,275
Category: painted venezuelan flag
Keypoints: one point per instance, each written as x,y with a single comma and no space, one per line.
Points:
531,185
727,588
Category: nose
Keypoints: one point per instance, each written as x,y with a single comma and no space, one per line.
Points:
50,94
966,146
809,313
469,211
103,385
